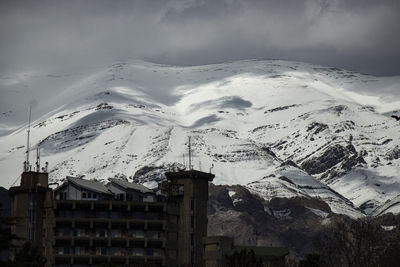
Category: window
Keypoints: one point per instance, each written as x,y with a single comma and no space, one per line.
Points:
192,204
139,234
83,194
150,252
77,232
192,239
63,195
140,198
115,233
139,252
65,213
192,221
89,195
94,195
65,232
66,250
115,214
115,251
139,215
150,215
79,251
102,233
77,214
102,214
181,190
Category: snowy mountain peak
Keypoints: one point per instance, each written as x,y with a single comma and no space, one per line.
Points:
279,128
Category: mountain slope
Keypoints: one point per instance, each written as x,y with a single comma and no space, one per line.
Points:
281,129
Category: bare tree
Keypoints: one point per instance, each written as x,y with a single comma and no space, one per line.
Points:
357,243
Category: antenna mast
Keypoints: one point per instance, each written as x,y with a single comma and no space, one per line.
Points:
38,159
27,167
190,152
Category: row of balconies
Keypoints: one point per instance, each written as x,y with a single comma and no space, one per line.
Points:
113,233
108,251
121,224
101,260
124,242
104,214
109,205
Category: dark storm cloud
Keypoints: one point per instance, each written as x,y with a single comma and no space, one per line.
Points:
363,35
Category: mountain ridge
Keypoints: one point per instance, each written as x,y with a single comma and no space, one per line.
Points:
279,128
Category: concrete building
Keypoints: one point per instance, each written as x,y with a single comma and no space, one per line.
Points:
5,220
30,203
219,249
215,250
85,223
188,190
127,191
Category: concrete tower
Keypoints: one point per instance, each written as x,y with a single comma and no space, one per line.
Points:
188,191
28,206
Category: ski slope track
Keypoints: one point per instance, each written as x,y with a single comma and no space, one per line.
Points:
279,128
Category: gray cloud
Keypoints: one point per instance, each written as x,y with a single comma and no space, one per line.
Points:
362,35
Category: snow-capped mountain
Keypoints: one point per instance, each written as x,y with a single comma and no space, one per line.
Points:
279,128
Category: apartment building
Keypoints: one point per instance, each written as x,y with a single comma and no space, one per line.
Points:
94,224
86,223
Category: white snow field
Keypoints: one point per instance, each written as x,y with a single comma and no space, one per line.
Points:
279,128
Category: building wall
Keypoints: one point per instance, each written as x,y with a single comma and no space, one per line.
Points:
191,191
82,232
193,219
145,197
74,192
28,207
5,212
215,250
90,232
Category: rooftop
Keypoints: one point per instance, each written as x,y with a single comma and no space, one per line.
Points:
91,185
269,252
190,174
128,185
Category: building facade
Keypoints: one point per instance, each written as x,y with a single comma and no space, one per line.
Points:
85,223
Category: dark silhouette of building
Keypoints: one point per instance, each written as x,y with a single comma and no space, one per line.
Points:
5,224
30,202
219,251
85,223
188,191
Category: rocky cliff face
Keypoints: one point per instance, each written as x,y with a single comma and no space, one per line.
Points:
250,220
296,223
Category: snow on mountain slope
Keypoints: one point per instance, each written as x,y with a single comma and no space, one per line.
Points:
246,119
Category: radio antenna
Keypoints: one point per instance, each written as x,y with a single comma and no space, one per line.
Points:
190,152
27,140
38,159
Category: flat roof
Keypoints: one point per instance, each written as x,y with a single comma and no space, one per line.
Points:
270,252
190,174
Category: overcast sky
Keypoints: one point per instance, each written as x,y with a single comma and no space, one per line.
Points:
360,35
